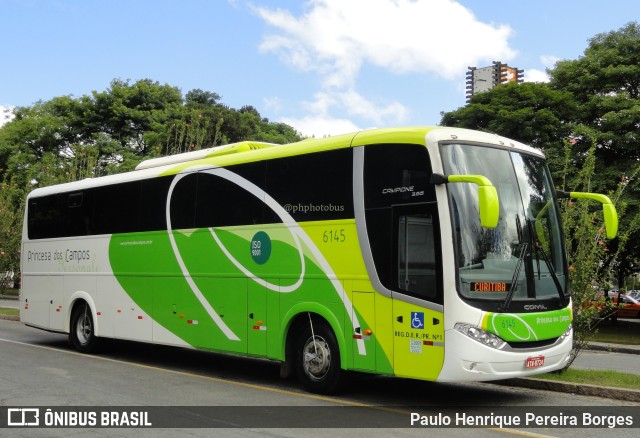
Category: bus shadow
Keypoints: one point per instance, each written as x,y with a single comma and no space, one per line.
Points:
359,387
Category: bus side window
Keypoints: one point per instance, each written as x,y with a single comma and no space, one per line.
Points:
313,187
74,210
115,208
183,203
222,203
153,203
44,217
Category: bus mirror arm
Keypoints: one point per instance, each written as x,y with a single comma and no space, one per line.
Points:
489,204
438,179
608,209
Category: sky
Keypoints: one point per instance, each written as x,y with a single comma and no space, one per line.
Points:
325,67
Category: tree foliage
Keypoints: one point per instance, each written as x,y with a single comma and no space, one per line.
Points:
67,139
588,249
586,120
594,101
125,124
605,83
10,224
532,113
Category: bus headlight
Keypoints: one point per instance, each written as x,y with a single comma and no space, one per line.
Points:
482,336
566,333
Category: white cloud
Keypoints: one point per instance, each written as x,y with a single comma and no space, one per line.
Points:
358,105
272,103
355,104
549,60
349,103
335,39
320,126
6,114
534,75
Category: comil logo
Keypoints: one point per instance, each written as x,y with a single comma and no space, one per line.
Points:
535,307
23,417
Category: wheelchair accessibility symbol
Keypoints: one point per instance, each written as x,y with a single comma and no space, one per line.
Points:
417,320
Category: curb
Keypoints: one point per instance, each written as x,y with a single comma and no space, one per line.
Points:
10,317
612,348
574,388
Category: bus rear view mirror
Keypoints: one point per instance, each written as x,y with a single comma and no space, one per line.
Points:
489,206
608,209
488,203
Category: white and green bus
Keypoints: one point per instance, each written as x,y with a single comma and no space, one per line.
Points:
427,253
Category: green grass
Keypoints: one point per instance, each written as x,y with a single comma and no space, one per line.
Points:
607,378
621,332
11,312
10,293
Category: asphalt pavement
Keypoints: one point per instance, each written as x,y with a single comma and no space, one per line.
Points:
583,389
10,303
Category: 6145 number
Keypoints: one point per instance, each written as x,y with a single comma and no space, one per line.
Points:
334,236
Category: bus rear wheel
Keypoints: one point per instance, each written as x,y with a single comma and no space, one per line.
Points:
82,331
318,359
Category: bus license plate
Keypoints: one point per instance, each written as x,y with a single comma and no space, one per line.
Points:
534,362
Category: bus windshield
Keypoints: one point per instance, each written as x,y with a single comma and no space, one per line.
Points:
522,259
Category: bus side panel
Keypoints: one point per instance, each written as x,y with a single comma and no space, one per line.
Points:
418,341
132,322
373,311
209,282
257,321
364,310
174,312
35,298
274,327
106,288
384,334
229,298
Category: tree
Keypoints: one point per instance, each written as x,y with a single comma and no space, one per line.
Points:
66,139
586,120
587,249
598,93
605,85
126,112
532,113
10,234
198,97
195,125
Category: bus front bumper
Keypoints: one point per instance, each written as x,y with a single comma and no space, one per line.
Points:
469,360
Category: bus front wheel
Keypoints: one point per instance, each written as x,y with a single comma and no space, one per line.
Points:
318,359
82,330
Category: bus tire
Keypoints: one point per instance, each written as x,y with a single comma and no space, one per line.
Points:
317,359
82,330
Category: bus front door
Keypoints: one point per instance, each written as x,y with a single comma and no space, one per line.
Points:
418,319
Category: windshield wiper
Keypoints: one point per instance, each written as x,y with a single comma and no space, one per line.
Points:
552,271
514,279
